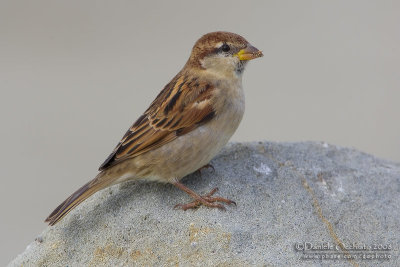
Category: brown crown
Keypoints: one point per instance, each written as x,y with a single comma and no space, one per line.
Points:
206,44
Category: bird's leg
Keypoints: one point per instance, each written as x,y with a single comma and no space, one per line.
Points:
205,167
206,200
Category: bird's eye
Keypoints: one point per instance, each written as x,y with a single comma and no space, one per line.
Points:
225,48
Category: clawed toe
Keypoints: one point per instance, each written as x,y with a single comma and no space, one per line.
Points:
207,200
196,204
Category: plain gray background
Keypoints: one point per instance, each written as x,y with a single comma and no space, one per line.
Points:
74,75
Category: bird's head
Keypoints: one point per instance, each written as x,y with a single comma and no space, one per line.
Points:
222,53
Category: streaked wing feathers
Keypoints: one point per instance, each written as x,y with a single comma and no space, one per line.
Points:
183,105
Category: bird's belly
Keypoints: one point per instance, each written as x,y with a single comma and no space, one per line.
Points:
191,151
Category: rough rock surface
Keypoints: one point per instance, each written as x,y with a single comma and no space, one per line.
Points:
289,195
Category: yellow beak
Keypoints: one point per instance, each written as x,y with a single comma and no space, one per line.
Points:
249,53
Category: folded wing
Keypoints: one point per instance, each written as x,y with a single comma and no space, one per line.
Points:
182,106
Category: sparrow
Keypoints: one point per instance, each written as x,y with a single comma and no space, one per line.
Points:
187,124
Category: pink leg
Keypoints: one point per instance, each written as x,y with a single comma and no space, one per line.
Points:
205,167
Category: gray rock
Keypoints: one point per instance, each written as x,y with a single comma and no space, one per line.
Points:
289,196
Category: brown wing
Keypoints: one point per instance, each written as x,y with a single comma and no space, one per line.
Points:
183,105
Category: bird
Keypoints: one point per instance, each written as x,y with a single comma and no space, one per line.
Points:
188,123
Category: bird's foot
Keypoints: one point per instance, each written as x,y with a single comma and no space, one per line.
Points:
207,200
205,167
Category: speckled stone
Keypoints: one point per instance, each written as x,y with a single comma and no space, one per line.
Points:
288,195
